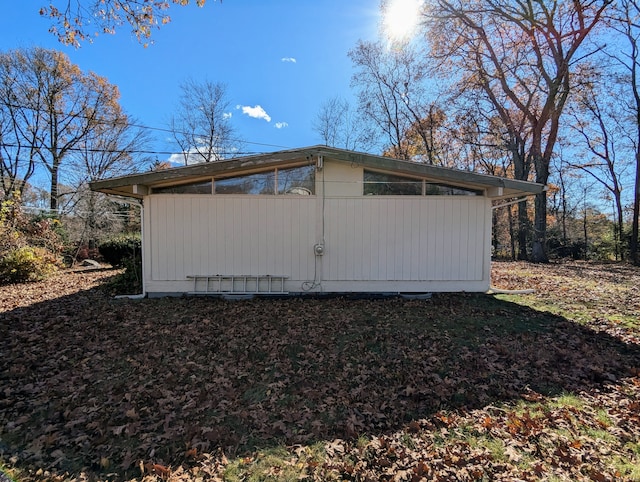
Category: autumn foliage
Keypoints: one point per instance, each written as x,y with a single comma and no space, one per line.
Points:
79,21
30,246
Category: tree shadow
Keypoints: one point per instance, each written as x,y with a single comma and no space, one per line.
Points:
95,384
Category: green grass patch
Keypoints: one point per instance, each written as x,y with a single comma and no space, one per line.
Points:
577,312
633,447
628,469
7,474
276,464
600,434
603,418
626,321
567,400
496,448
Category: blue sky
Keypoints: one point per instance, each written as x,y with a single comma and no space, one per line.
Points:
286,56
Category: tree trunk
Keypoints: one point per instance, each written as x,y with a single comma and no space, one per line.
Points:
521,167
53,195
539,246
584,229
523,231
512,235
563,194
91,220
619,242
494,231
633,244
541,163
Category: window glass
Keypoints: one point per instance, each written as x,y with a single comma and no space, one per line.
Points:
433,189
297,180
259,183
202,187
380,184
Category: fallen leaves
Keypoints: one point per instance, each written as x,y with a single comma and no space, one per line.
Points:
459,387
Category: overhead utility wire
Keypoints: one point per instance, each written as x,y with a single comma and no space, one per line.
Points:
128,151
142,126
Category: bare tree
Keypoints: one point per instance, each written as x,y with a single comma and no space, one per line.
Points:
339,126
493,127
75,21
520,55
392,94
54,109
202,126
483,143
626,20
596,120
17,140
113,149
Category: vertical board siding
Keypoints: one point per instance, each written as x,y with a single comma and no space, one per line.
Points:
396,239
376,238
194,235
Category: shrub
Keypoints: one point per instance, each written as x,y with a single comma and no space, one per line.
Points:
85,252
10,217
125,251
29,245
27,264
130,281
47,231
116,250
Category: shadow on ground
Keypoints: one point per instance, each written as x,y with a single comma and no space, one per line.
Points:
92,383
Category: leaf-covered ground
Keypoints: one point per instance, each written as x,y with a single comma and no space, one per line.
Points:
458,387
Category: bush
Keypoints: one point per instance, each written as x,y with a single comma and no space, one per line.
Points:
10,217
116,250
83,252
27,264
130,281
23,258
47,231
125,251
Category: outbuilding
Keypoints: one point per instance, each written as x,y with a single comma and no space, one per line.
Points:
315,220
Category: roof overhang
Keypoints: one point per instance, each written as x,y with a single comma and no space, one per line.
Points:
140,185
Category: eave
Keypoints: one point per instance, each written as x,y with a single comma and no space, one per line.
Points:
139,185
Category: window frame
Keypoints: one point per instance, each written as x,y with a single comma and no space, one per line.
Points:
167,189
276,181
425,183
305,188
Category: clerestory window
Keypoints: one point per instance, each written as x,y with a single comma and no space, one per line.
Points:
299,180
296,181
385,184
200,187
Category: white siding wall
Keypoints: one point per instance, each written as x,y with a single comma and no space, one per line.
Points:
244,235
399,238
372,243
342,180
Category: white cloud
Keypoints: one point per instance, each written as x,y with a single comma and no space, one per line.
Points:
289,59
176,159
193,156
281,125
227,115
256,112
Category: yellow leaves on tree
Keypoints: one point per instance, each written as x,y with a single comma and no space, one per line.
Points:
72,24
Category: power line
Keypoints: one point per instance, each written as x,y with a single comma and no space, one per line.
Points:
143,126
126,151
161,129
